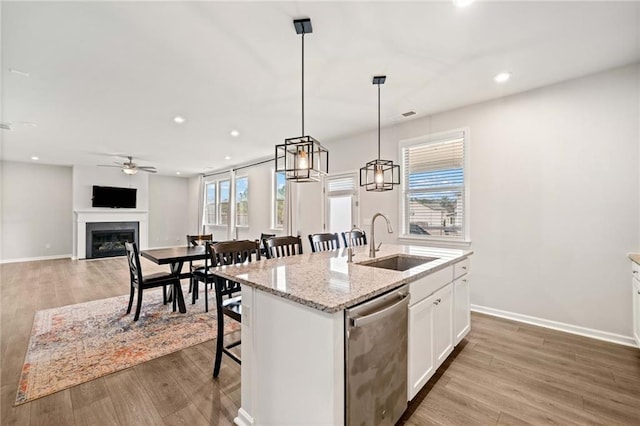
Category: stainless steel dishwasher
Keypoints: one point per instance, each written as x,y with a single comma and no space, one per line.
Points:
376,359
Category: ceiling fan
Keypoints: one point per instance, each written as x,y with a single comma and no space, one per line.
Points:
131,168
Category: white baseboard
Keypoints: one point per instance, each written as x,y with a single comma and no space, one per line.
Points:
560,326
33,259
243,419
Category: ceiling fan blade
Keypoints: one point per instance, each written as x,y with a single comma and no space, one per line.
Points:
108,165
148,170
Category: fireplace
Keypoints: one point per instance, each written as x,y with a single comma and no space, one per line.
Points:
106,239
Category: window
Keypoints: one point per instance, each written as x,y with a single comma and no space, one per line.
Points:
210,203
242,201
434,186
279,190
223,202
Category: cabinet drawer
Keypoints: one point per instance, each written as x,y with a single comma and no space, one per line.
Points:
461,268
425,286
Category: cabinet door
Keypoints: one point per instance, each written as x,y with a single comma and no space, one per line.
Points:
635,285
442,323
420,366
461,309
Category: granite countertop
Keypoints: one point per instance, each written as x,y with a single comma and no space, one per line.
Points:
325,281
635,257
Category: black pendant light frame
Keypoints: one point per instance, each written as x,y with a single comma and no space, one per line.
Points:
379,175
303,158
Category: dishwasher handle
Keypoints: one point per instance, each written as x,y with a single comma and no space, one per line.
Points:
362,321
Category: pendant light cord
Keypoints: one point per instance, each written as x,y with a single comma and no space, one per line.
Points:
378,121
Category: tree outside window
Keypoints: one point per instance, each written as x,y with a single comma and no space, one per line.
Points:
242,201
223,202
279,197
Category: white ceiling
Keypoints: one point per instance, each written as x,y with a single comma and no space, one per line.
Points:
107,78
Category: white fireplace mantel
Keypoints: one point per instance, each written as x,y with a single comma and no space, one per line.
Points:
82,217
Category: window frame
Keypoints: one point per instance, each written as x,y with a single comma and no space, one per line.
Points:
274,198
462,241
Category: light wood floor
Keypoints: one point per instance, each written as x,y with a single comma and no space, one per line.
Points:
502,373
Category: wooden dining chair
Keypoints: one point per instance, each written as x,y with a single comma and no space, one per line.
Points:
354,238
141,282
194,241
283,246
263,242
324,242
224,254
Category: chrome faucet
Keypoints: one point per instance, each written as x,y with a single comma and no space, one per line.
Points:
349,241
372,242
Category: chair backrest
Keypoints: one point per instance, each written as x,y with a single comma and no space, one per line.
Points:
232,252
197,240
324,242
263,240
354,238
135,271
283,246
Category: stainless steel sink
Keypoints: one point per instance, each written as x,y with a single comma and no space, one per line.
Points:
399,262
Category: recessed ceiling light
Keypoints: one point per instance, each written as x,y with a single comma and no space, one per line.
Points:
34,158
502,77
178,173
462,3
235,133
227,158
179,119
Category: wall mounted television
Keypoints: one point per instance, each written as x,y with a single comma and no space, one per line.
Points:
109,196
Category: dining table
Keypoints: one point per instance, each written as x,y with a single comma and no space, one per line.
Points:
175,257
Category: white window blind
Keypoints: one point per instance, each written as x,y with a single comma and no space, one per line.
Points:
434,187
341,184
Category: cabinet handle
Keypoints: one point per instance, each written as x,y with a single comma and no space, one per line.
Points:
635,272
464,281
464,267
437,302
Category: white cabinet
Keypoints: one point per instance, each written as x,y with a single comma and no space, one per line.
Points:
635,287
420,359
443,324
439,317
430,337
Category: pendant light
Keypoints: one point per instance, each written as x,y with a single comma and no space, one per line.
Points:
379,175
302,159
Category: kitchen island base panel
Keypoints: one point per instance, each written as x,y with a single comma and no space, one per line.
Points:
292,362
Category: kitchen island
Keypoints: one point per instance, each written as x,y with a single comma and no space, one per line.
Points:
293,341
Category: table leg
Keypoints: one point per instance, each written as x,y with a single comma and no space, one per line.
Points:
176,268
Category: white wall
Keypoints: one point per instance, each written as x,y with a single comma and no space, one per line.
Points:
171,211
85,177
555,191
36,211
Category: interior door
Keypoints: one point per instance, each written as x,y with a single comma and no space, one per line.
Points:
341,203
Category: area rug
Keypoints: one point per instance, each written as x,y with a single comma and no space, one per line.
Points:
78,343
